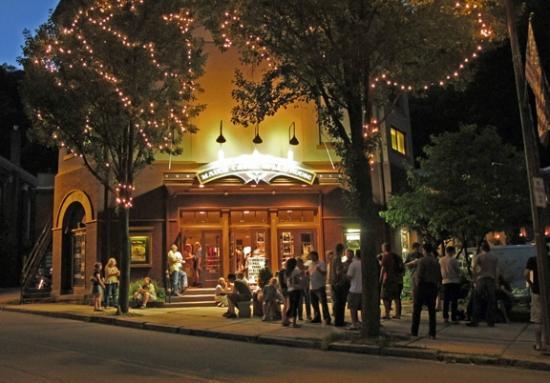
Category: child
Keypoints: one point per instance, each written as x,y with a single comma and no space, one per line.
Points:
271,297
97,287
221,293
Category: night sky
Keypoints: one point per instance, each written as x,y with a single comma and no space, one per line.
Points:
15,16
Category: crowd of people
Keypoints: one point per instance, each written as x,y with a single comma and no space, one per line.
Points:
302,284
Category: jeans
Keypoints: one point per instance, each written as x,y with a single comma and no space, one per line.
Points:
179,281
305,298
339,297
111,295
294,303
484,296
451,292
320,295
425,294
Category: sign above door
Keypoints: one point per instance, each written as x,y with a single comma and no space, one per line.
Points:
255,167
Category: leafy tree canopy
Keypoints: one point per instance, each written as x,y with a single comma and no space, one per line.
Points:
114,82
468,184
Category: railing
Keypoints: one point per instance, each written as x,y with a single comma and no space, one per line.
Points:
35,258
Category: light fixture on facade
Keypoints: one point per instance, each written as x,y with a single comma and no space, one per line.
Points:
292,141
221,139
257,139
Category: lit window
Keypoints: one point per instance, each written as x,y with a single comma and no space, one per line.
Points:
398,141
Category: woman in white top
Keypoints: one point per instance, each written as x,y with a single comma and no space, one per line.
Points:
111,283
293,277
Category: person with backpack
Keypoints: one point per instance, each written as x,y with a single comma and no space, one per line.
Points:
389,279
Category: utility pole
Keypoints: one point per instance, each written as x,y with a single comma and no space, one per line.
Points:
530,148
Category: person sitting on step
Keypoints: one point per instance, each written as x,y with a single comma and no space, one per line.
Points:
240,293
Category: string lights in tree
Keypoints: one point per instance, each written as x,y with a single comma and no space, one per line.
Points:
232,23
81,48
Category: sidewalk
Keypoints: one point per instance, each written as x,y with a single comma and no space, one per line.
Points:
505,344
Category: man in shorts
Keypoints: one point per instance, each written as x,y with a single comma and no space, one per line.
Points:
356,288
532,279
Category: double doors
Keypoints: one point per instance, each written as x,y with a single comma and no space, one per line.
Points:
203,252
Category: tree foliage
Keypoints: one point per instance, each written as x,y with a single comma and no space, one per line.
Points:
113,82
468,184
331,53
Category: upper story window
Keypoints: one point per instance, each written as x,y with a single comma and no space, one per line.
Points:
398,141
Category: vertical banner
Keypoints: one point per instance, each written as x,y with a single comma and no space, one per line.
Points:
536,79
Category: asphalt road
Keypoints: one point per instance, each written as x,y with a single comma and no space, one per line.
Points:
41,349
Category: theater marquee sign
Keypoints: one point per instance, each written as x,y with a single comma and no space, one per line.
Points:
255,167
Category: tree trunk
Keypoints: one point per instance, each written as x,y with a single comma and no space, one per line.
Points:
370,277
124,232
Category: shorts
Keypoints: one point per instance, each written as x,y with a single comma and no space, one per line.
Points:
354,301
96,290
535,308
235,298
390,291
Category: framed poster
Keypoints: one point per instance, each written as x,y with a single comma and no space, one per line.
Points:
140,250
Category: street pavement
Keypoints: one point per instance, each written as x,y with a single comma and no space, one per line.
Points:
43,349
504,344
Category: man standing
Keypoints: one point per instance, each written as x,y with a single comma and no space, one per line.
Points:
485,269
340,286
450,274
318,271
355,290
175,266
532,279
389,279
199,262
413,258
427,279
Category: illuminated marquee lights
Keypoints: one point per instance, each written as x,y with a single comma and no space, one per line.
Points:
255,167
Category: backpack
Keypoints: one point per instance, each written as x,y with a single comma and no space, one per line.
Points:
399,265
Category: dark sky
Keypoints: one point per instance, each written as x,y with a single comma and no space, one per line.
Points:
15,16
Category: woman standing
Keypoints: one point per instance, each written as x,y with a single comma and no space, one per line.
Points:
97,287
111,283
294,283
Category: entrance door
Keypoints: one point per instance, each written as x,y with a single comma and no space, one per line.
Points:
212,258
294,243
211,262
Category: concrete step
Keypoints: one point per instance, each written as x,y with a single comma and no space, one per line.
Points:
193,298
211,303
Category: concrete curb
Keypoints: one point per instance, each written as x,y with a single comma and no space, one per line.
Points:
399,352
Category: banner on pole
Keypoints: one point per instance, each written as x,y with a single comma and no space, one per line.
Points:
536,79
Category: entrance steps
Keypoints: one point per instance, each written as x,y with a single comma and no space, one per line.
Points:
193,297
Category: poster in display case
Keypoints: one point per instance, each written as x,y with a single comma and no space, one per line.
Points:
287,244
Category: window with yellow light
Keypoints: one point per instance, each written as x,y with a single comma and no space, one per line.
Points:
398,141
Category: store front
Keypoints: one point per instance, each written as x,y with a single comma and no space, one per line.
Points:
236,239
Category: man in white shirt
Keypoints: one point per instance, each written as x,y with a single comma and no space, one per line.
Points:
317,281
356,289
175,266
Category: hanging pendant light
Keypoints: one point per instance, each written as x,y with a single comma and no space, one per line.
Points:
292,141
257,139
221,139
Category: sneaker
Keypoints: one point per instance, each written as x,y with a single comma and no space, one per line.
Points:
226,314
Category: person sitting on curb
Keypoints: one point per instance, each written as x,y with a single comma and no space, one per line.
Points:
145,293
241,293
